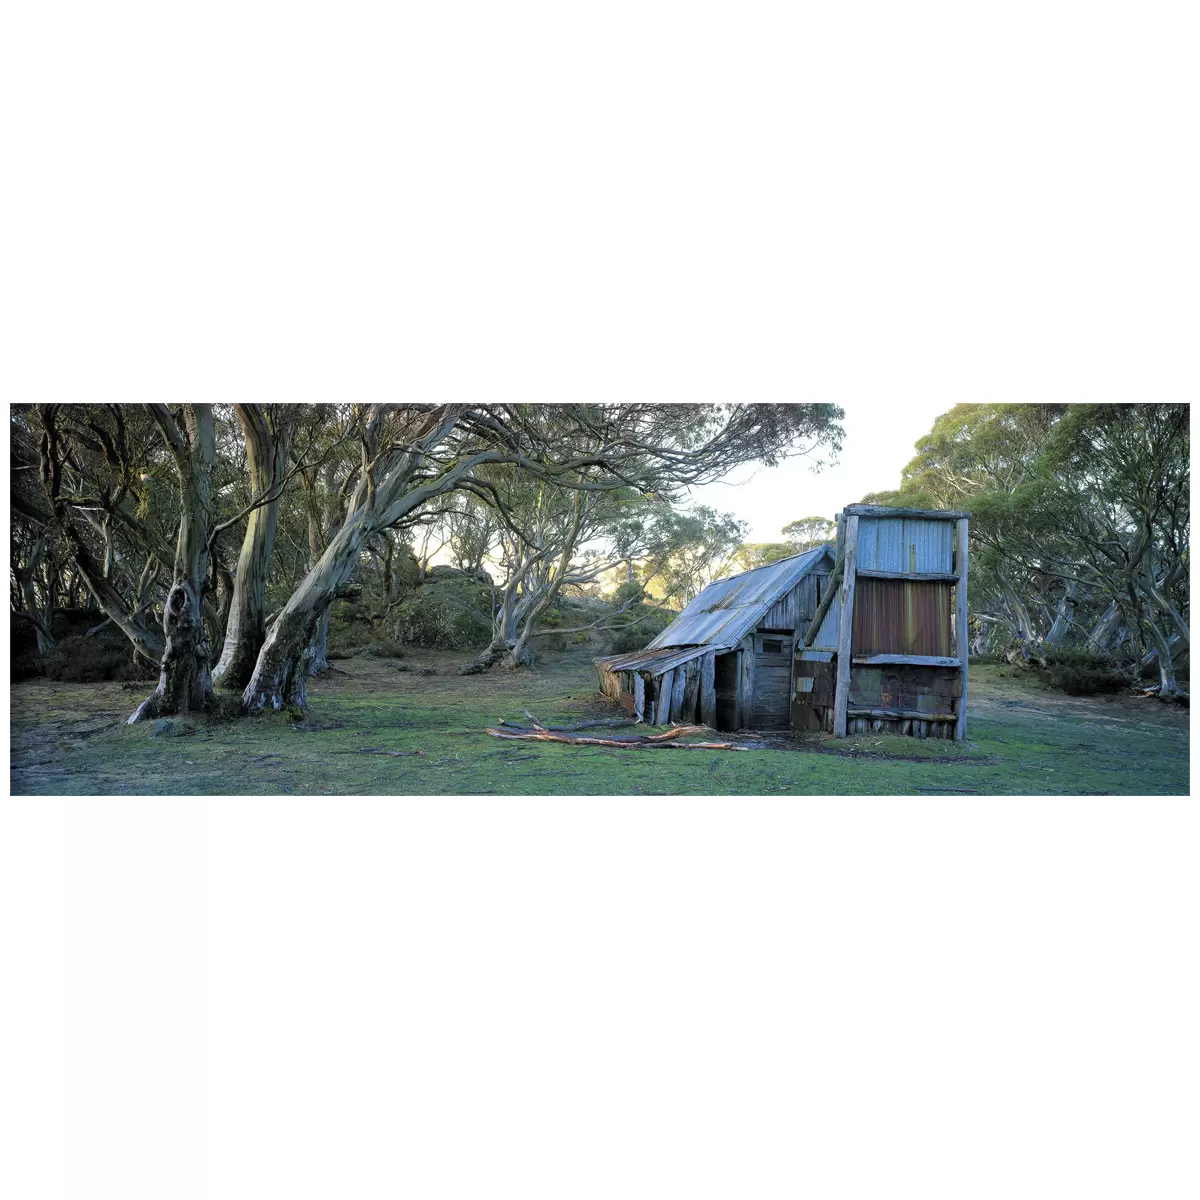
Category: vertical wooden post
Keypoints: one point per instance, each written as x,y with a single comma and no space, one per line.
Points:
845,627
639,696
962,641
662,708
708,691
748,681
677,690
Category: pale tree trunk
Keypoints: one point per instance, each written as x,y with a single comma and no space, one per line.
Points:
185,679
1063,617
518,619
1018,615
318,647
25,578
318,510
278,679
1166,663
245,629
1102,631
147,640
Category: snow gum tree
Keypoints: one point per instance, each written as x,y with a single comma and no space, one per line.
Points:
185,678
267,432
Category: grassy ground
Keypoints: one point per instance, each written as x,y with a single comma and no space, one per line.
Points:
71,739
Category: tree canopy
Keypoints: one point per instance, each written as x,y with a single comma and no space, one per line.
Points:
216,537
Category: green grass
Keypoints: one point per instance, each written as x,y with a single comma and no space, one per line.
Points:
71,739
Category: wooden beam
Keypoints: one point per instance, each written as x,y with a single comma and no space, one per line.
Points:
845,628
961,638
662,707
900,714
691,690
708,691
677,688
743,685
749,660
831,585
912,660
882,510
911,576
639,695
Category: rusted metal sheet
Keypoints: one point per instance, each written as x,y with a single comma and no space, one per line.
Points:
728,609
908,544
895,617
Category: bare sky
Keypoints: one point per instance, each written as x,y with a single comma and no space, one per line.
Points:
879,441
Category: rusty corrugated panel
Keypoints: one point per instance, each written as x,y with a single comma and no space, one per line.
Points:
905,544
894,617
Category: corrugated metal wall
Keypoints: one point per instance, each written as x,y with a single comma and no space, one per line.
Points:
911,545
894,617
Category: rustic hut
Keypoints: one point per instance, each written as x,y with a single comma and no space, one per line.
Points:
887,649
727,659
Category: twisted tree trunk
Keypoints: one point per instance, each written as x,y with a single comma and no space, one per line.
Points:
278,678
185,678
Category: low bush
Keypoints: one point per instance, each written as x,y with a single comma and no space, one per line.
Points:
1079,673
107,656
449,611
1076,672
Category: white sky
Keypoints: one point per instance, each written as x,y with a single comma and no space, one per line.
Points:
878,443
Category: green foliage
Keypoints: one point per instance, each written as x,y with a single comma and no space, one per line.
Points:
626,593
450,611
646,624
809,532
761,554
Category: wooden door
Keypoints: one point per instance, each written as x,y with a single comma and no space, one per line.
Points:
772,699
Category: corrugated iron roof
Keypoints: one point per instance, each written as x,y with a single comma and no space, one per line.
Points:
655,662
728,609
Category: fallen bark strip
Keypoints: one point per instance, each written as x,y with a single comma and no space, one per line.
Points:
665,740
612,722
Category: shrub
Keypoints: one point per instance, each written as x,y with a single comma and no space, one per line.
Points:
447,612
106,656
1076,672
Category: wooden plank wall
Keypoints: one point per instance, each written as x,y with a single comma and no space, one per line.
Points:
962,637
